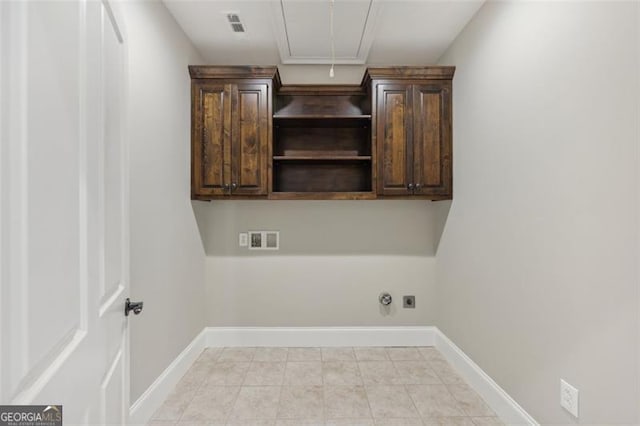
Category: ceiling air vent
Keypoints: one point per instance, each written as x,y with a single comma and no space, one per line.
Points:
236,25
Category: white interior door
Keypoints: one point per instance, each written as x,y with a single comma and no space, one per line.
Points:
63,218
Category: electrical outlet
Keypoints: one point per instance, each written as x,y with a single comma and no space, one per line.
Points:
569,398
256,240
243,239
264,240
273,240
409,302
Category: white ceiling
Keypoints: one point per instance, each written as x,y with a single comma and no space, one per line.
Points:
302,30
398,32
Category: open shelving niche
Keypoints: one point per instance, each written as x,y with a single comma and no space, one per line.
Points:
322,143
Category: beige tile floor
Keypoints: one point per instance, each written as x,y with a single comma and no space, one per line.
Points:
323,386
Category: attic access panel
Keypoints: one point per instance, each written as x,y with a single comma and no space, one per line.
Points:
303,35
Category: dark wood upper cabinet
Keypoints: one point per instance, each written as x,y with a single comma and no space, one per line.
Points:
393,139
413,131
231,131
432,173
249,139
387,137
211,141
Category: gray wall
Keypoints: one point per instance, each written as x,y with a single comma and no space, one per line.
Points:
319,74
167,257
335,258
537,275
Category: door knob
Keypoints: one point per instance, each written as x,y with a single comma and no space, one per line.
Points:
410,187
234,186
129,306
418,186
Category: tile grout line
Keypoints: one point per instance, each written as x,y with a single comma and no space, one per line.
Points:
446,386
284,377
279,399
366,394
414,403
235,400
195,393
210,366
324,399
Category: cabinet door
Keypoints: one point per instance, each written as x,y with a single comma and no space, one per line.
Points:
394,139
250,139
211,140
432,139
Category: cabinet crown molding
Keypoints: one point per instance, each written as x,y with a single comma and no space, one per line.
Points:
408,73
271,72
235,72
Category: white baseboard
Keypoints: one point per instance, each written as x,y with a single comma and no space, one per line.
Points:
142,410
504,406
319,336
509,411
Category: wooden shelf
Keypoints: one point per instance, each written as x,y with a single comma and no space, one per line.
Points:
321,117
322,142
322,157
322,176
322,147
353,195
322,121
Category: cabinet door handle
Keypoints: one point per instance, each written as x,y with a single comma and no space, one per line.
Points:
410,187
418,186
234,186
225,187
